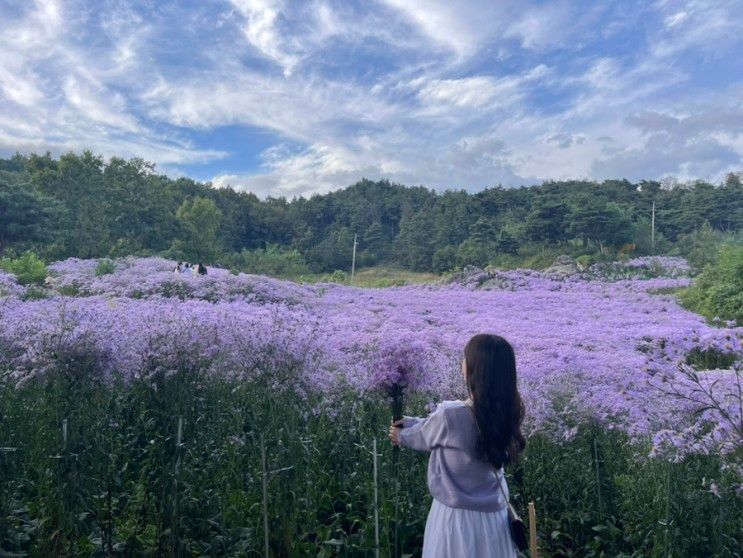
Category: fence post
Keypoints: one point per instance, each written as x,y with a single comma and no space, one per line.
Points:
264,478
532,531
669,543
598,476
174,531
376,503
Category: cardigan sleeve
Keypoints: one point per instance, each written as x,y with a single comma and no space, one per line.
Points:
426,434
407,421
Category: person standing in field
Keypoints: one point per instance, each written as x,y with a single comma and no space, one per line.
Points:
470,441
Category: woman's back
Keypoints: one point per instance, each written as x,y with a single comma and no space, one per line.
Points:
457,477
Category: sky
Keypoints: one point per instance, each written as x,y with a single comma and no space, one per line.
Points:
289,98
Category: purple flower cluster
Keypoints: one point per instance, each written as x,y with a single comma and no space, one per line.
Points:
154,277
607,351
9,285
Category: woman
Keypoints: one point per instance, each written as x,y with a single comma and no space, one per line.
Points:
470,442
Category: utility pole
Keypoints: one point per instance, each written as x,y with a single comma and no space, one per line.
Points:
353,260
652,231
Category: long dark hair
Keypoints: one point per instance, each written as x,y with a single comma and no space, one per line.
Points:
499,411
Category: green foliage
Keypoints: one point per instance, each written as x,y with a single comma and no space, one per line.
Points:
24,214
472,252
444,259
414,245
546,221
604,223
84,206
93,468
584,261
337,276
34,292
273,260
200,219
28,268
507,243
718,291
701,246
105,267
333,252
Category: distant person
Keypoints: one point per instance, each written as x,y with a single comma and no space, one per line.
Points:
470,442
201,269
186,268
178,268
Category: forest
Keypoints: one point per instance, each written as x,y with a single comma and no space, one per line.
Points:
87,206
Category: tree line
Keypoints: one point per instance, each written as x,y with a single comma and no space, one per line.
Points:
83,205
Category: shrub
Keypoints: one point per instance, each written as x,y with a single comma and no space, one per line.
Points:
28,268
584,261
444,259
105,267
718,291
274,261
337,276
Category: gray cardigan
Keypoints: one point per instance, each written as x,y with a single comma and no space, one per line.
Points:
456,477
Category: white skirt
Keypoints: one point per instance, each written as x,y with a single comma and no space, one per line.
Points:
460,533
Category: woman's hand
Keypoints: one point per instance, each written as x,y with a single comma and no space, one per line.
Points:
395,428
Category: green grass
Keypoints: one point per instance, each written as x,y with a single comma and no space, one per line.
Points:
374,277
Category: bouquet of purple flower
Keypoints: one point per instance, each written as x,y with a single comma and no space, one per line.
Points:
400,366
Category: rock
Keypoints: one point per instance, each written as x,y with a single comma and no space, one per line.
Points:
494,284
564,266
470,276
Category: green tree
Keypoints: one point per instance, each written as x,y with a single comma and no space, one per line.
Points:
506,242
471,252
718,291
444,259
414,245
483,231
546,222
334,252
375,244
602,222
200,220
24,215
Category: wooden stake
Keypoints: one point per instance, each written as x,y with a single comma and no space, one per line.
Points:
376,504
598,477
532,531
264,476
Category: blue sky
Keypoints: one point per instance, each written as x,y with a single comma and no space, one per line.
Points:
288,98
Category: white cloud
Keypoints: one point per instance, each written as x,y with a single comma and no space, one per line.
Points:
710,26
472,92
262,31
461,27
675,19
542,26
446,94
57,94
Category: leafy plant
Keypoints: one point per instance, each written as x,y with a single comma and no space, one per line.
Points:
105,267
717,292
28,268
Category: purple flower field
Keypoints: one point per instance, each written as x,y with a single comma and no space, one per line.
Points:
588,349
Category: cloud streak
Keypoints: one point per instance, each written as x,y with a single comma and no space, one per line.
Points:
287,98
